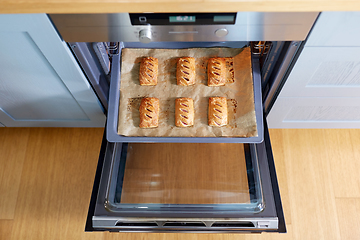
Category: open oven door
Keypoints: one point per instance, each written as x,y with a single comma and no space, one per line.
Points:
235,194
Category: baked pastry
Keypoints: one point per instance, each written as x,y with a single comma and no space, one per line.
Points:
184,112
218,113
185,71
148,71
149,112
216,72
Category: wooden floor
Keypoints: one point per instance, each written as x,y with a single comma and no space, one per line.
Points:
46,177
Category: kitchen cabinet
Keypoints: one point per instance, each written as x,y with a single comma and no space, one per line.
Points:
323,88
41,83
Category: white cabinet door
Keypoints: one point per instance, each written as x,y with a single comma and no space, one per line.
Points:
313,112
41,84
325,72
323,89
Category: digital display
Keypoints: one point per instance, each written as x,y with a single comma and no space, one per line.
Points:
226,18
175,19
189,19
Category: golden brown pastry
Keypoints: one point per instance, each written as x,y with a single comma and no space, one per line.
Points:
184,112
217,111
216,72
148,71
185,71
149,112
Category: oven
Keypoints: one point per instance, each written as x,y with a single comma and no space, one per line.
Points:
195,183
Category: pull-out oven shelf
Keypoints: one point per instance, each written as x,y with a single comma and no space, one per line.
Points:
114,96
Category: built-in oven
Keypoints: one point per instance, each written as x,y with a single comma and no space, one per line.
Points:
195,183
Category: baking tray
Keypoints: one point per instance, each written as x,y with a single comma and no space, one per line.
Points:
114,97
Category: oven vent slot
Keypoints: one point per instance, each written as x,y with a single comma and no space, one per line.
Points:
136,224
184,224
233,225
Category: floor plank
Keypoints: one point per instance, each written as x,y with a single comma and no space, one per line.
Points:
56,184
349,220
343,158
5,229
13,144
311,189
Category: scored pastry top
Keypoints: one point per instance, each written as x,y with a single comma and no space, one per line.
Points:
149,112
184,112
216,72
148,71
218,114
185,71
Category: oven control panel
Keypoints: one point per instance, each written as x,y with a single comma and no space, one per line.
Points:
173,24
184,27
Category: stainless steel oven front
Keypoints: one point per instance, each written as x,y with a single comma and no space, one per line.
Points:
193,184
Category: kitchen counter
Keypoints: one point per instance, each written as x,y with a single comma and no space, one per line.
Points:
112,6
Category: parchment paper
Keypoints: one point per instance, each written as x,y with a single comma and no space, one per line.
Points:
238,90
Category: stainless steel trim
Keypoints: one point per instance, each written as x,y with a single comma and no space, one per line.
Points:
249,26
258,224
95,75
280,74
100,51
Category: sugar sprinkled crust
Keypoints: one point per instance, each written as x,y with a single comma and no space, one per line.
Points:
184,112
148,71
218,113
216,72
185,71
149,112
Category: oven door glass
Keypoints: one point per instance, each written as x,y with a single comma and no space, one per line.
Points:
185,177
